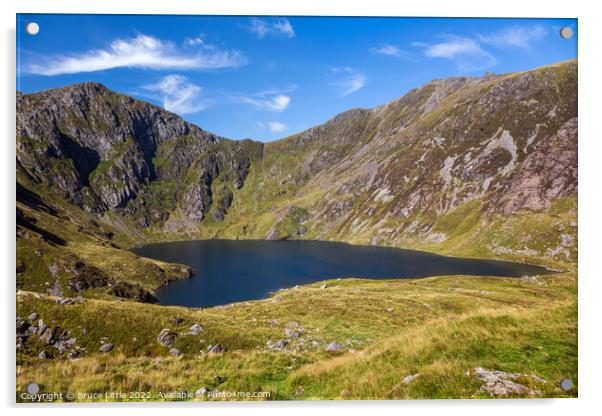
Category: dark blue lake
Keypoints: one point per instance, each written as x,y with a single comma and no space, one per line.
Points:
232,271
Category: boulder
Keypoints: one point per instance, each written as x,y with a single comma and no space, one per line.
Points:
501,383
195,329
106,347
333,346
167,337
47,336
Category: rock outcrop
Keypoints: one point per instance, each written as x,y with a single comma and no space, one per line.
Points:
105,151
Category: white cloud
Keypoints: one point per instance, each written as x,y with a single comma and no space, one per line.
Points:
390,50
452,47
515,36
275,99
284,26
276,27
178,94
347,80
276,103
141,51
465,52
273,126
199,41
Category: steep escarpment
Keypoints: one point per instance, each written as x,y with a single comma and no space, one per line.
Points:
483,167
104,151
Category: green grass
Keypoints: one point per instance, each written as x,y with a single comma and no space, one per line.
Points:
467,322
102,169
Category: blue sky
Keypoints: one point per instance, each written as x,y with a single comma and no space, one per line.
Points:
269,77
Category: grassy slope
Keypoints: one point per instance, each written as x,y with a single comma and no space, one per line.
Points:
86,239
438,327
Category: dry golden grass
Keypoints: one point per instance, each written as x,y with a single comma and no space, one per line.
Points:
504,324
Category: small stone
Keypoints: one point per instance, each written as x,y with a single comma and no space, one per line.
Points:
106,347
167,337
32,317
291,333
44,355
72,355
278,345
47,336
324,286
333,346
195,329
61,347
175,352
410,378
217,348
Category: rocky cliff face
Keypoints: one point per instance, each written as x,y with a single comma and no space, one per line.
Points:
108,152
462,165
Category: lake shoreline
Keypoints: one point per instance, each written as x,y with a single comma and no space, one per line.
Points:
222,266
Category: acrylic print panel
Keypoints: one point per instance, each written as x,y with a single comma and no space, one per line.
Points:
293,208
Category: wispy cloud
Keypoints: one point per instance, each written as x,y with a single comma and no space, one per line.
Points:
465,52
274,27
273,126
515,36
200,41
347,80
276,103
178,94
142,51
390,50
276,100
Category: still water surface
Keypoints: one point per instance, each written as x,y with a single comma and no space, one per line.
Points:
233,271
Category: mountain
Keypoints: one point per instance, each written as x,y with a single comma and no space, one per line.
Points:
483,167
104,151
